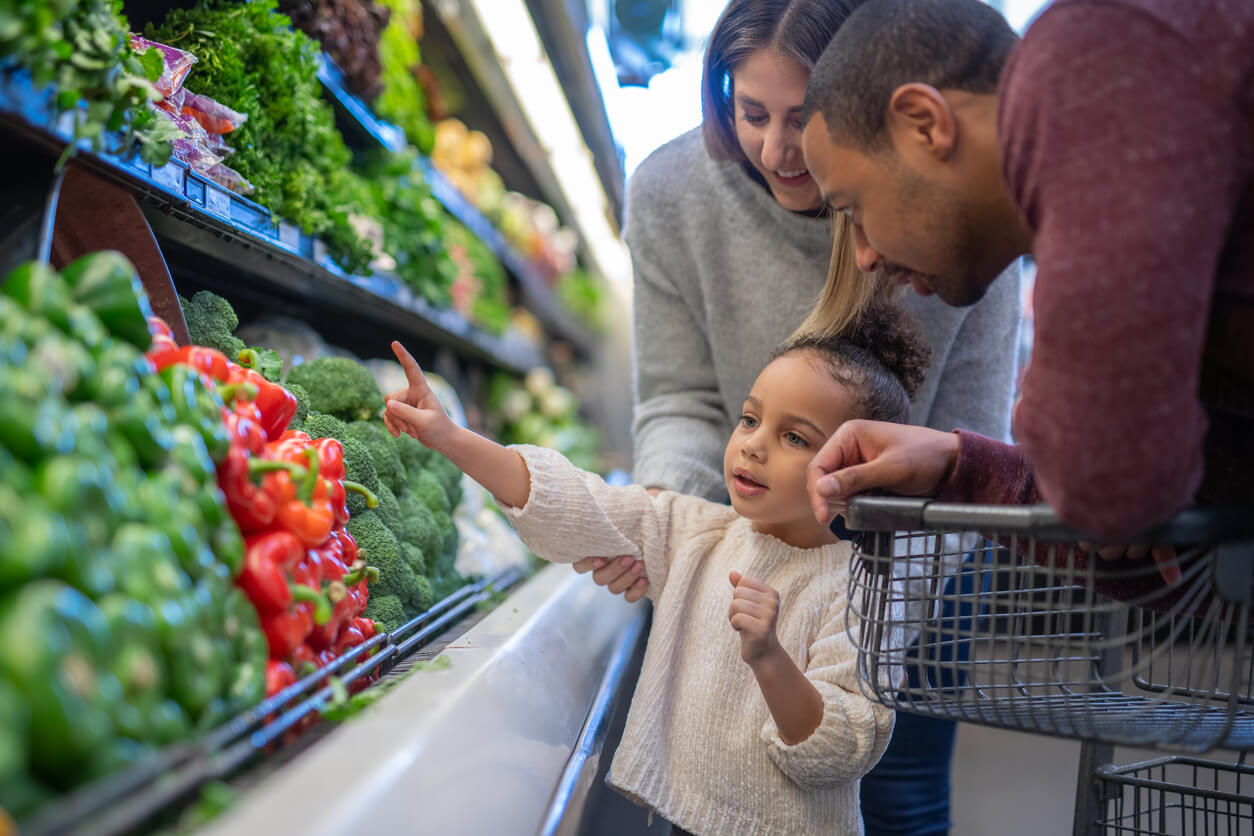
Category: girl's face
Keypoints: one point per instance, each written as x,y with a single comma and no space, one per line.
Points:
768,91
794,407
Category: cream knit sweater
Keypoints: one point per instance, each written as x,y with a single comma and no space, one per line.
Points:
700,746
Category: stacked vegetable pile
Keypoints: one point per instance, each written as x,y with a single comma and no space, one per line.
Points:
287,493
410,536
121,626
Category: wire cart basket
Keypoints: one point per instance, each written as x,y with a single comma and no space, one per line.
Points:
998,615
1174,795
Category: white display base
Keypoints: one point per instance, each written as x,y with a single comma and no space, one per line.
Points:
474,748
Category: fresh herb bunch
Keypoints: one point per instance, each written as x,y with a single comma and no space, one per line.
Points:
83,50
403,100
413,225
252,60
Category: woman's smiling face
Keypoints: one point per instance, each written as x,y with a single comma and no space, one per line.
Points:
794,407
768,90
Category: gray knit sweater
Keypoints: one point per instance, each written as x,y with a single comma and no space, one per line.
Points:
700,745
723,274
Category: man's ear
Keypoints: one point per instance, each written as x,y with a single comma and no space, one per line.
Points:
920,120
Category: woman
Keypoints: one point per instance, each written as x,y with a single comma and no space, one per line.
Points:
730,247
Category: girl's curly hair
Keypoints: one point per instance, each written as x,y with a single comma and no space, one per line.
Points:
882,359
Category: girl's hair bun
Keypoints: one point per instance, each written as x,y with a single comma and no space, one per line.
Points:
893,337
881,357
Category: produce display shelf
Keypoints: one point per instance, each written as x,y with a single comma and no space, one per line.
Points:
234,231
537,295
125,802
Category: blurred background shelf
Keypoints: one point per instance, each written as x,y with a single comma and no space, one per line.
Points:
217,240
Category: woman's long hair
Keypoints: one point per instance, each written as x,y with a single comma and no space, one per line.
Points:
847,292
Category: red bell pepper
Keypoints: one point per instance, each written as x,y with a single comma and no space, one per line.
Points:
366,626
268,563
252,508
342,586
304,507
158,327
279,675
208,361
276,403
303,660
243,424
288,630
349,638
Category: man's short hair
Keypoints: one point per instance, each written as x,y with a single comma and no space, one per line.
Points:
948,44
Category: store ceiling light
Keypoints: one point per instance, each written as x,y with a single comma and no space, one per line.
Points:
514,39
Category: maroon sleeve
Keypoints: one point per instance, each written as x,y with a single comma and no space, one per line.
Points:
1122,160
988,472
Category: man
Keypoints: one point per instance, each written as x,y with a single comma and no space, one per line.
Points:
1115,144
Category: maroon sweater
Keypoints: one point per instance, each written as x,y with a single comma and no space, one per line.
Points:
1126,129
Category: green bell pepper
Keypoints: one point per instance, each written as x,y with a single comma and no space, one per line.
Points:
38,288
241,627
198,406
68,367
33,429
34,541
86,327
137,664
120,373
145,566
107,283
140,423
79,488
14,726
228,547
54,645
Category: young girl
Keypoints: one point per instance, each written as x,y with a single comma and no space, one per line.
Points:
747,717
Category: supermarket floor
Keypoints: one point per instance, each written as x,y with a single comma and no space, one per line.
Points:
1009,782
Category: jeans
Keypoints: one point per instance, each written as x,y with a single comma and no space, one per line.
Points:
907,793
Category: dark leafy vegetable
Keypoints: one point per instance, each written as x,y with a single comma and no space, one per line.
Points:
82,49
253,61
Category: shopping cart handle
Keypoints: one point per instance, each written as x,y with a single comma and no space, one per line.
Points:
894,513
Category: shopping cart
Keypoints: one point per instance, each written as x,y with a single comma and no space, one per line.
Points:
997,615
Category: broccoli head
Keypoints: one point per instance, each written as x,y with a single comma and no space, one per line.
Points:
428,488
413,455
382,449
379,548
211,321
339,386
302,406
424,597
359,468
386,611
419,525
450,477
414,557
389,511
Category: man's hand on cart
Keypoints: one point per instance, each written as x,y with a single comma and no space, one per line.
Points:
1164,556
875,455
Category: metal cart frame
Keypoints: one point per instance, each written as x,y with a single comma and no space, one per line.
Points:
999,615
